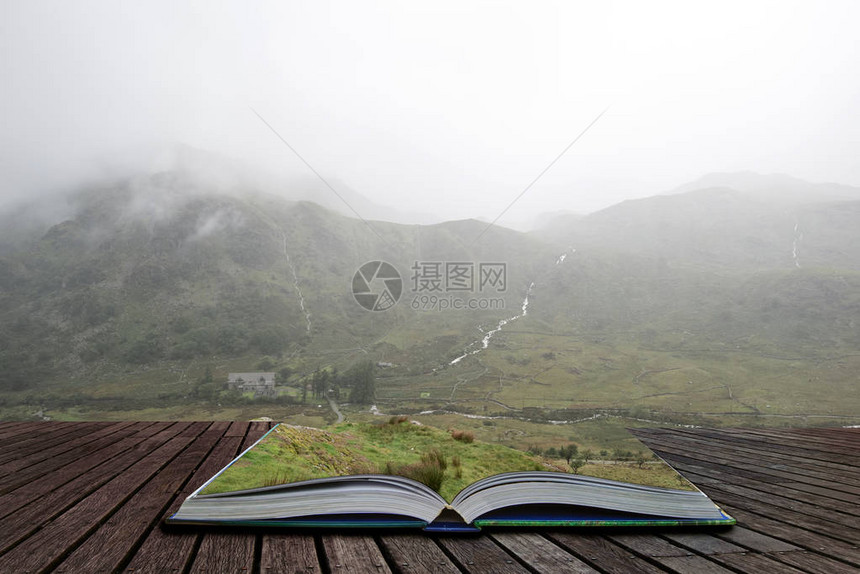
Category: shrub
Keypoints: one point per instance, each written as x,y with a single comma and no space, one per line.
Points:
428,474
276,478
434,456
463,436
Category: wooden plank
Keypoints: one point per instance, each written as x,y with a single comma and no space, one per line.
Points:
812,541
816,444
37,429
728,461
172,550
840,441
107,548
839,478
603,554
666,554
357,554
696,565
727,498
703,543
813,563
769,486
853,499
756,540
480,555
8,430
540,553
710,469
649,545
789,446
793,449
416,554
289,554
238,428
35,487
782,503
225,554
780,551
836,432
773,538
26,469
45,547
755,563
53,436
825,497
214,544
55,499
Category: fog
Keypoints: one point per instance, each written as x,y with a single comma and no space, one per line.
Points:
429,111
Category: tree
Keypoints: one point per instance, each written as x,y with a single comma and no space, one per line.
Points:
205,387
319,382
587,455
266,364
576,463
618,454
568,452
363,383
284,374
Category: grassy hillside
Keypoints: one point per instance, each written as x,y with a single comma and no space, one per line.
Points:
445,461
423,453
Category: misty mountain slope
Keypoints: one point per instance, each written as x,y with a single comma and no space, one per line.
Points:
162,273
807,311
723,227
775,187
160,269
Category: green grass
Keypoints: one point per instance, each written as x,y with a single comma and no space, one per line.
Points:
523,369
291,454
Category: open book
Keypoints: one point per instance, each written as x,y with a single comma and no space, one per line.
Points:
401,474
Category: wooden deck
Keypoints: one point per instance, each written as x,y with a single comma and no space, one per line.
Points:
89,497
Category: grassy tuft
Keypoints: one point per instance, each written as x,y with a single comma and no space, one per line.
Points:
463,436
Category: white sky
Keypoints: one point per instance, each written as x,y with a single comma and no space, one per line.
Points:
449,108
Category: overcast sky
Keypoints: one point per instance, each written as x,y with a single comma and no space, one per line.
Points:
449,108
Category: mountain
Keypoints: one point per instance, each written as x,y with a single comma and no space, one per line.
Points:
749,221
711,295
226,175
159,269
773,187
